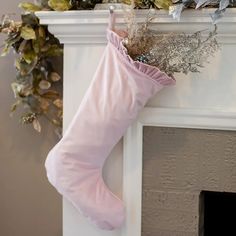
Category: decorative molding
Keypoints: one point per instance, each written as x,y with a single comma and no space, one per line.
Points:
188,118
132,179
133,153
88,27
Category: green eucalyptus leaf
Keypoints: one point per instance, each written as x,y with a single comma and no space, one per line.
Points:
41,31
53,51
36,125
11,41
29,56
24,67
50,94
29,19
5,50
23,79
54,76
41,36
16,88
36,46
58,103
56,122
59,5
41,42
42,3
164,4
44,84
27,32
29,7
17,63
46,47
21,90
37,77
15,105
23,46
13,38
44,104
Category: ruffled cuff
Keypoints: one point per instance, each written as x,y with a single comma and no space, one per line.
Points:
116,39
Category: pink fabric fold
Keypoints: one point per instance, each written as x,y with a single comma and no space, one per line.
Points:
150,72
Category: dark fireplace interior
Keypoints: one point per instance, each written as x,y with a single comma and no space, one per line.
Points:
219,213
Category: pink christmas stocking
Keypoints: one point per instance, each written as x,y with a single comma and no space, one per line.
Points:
119,90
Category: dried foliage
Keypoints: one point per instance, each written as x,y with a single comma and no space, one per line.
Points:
171,53
37,86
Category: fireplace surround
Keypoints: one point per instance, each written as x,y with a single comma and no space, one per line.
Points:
191,185
179,165
204,101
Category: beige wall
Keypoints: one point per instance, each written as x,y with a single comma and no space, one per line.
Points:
29,206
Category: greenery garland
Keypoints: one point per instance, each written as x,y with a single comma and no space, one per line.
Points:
37,86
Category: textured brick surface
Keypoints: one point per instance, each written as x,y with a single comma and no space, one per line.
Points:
178,164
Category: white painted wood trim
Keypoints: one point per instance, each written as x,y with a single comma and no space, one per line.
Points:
188,118
133,146
89,27
132,179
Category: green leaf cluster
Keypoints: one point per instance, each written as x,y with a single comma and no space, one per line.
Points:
143,4
37,86
60,5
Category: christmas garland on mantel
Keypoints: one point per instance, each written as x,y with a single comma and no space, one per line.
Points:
37,86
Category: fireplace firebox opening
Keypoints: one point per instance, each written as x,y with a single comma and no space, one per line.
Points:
219,218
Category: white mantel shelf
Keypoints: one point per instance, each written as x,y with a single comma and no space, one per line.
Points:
86,27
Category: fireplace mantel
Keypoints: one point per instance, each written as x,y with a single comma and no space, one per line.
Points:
200,100
88,27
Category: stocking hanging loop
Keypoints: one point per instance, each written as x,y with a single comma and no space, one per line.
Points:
111,9
112,18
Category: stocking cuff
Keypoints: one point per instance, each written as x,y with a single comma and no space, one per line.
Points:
152,72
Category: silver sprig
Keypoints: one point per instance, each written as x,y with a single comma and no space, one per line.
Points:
173,52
